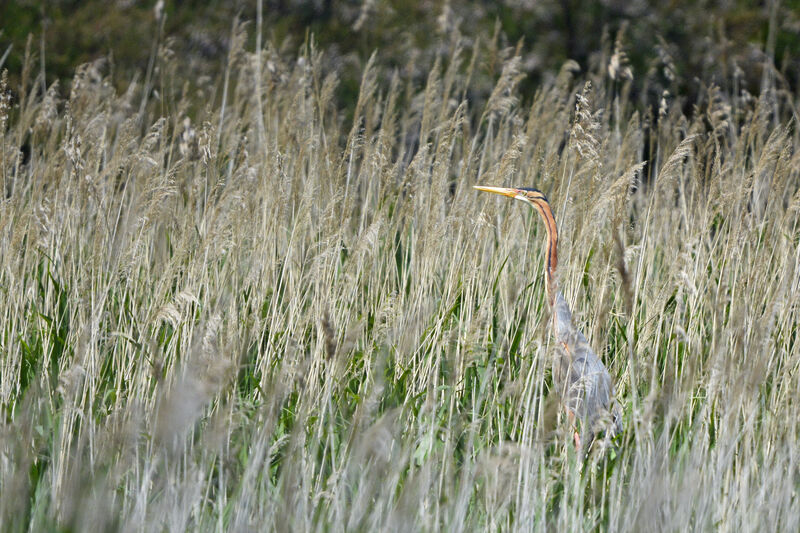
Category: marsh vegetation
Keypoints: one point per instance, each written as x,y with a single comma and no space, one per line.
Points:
242,303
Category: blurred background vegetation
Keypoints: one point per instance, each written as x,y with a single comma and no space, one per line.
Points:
680,46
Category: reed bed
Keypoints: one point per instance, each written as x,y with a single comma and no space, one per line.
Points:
244,304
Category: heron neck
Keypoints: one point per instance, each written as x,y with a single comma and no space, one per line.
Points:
551,256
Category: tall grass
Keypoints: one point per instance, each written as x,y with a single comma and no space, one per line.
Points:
308,320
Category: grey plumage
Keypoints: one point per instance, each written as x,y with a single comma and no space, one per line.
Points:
581,378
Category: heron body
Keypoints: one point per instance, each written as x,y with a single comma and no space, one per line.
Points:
580,376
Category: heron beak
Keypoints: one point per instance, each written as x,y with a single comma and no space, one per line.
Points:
511,193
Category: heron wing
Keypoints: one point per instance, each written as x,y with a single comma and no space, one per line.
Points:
583,378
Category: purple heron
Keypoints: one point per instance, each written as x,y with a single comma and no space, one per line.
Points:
579,375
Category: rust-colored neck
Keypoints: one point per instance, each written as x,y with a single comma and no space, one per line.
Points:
551,259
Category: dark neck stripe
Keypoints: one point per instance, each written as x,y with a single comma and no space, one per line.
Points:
551,256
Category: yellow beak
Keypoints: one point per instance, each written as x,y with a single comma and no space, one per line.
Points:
505,191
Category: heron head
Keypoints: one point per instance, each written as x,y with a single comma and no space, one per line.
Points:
525,194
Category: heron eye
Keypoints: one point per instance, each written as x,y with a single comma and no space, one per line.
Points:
533,193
